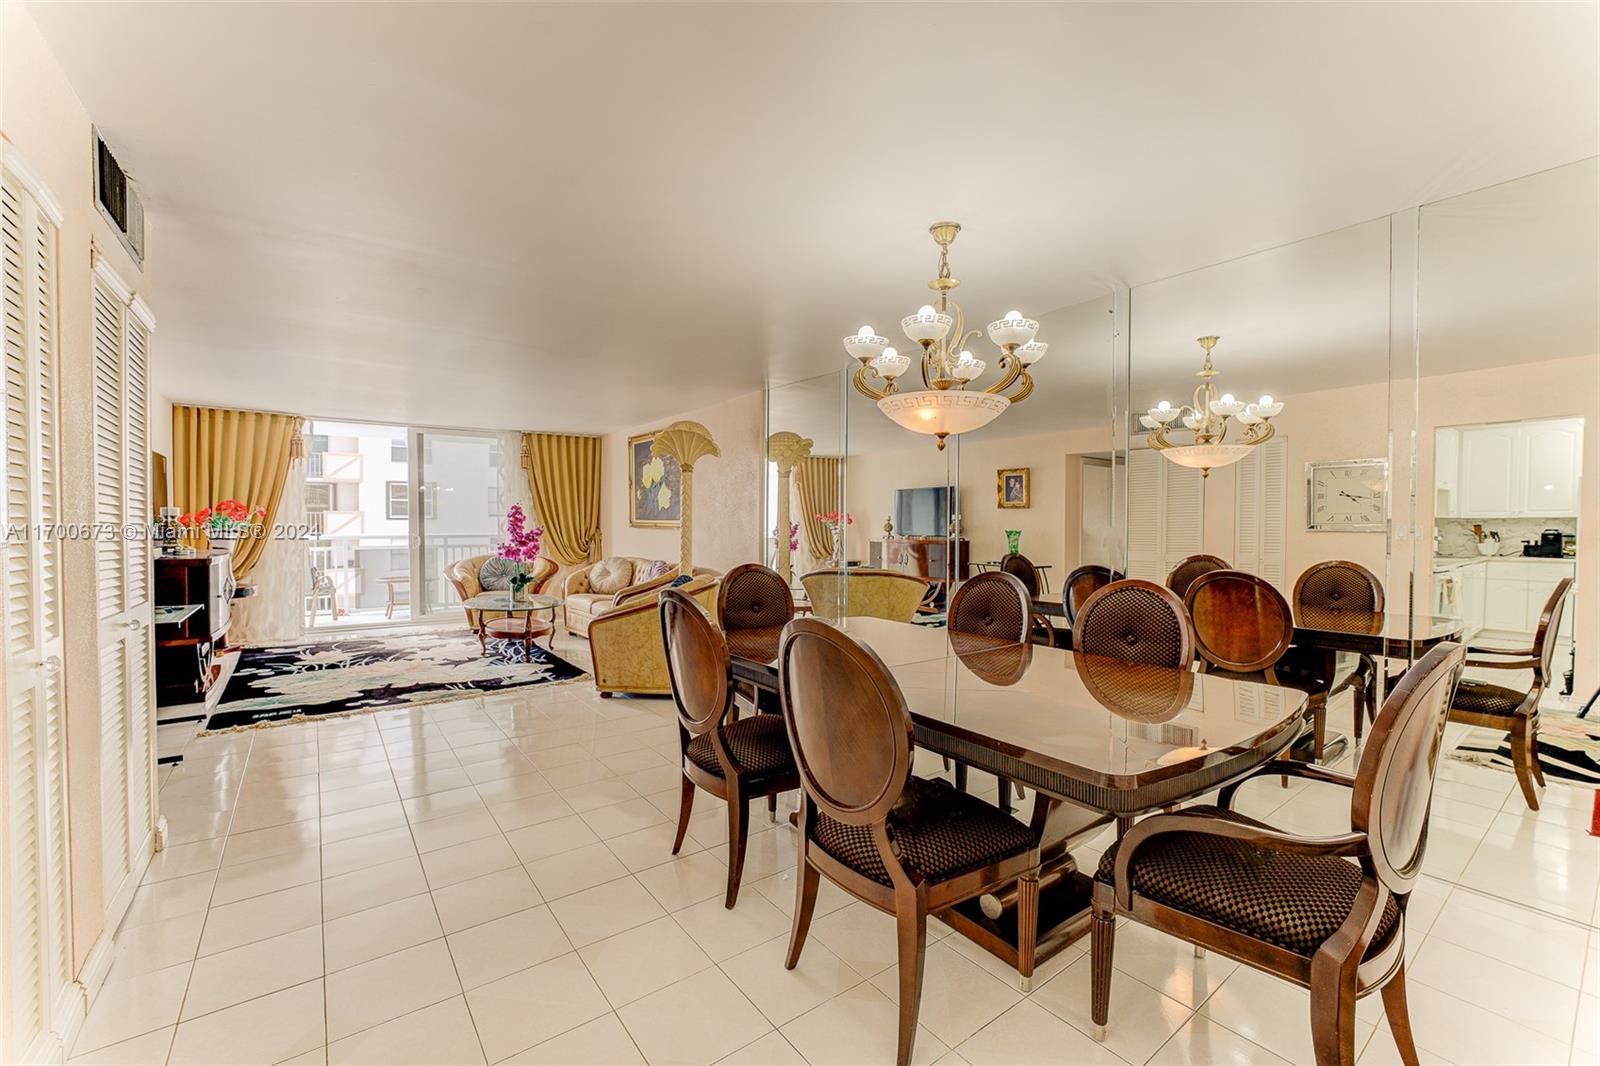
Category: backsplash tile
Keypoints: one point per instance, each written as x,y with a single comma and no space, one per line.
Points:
1456,539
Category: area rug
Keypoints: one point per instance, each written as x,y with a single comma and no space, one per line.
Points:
1569,749
278,683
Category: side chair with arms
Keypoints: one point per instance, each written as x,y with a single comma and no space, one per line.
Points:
861,591
996,605
1187,570
1244,629
1497,707
907,846
625,645
753,596
735,760
463,577
1291,905
1336,587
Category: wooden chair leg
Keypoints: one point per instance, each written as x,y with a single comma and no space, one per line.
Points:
961,776
1027,927
1102,940
1358,704
1333,1013
1533,751
685,808
738,837
806,881
1394,1008
772,807
911,922
1319,726
1524,751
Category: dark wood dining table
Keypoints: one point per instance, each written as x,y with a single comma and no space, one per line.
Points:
1110,738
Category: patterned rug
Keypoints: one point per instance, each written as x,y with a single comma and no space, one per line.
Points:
1569,749
275,683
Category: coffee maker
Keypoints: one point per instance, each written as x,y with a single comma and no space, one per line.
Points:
1548,546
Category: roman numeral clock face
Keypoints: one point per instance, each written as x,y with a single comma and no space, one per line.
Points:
1347,496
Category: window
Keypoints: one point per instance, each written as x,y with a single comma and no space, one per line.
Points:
398,451
319,443
494,501
319,498
430,500
399,501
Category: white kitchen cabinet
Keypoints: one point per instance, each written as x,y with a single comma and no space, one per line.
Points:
1509,469
1488,465
1549,457
1505,606
1516,593
1472,592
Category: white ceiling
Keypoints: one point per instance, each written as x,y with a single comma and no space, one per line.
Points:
582,217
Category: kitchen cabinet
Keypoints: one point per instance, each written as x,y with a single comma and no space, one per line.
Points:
1509,469
1516,593
1472,594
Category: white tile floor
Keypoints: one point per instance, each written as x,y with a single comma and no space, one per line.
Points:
490,881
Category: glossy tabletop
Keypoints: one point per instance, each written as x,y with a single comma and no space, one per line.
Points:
1106,734
502,601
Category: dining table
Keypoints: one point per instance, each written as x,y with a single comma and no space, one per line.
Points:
1107,738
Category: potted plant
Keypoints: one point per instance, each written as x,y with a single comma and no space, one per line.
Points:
225,523
834,522
521,548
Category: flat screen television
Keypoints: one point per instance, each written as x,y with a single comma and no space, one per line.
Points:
922,512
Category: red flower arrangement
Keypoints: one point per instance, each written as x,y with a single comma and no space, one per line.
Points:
223,520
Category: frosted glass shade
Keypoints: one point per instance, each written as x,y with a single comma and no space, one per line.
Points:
943,413
1207,456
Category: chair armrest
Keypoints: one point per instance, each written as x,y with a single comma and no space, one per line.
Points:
1342,845
644,587
576,582
1507,664
1286,768
1482,649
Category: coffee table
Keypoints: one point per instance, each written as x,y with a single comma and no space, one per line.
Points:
519,623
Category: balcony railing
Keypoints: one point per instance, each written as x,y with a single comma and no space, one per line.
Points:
355,563
333,466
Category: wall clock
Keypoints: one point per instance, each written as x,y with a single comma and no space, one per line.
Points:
1347,496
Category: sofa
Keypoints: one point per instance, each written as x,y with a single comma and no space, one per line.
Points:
592,590
625,641
463,575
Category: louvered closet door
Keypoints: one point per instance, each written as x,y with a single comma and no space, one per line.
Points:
122,575
33,764
1166,514
1261,525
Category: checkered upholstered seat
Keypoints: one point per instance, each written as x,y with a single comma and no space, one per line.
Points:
1480,697
1293,901
938,831
759,744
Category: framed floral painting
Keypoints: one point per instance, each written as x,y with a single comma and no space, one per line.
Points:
654,482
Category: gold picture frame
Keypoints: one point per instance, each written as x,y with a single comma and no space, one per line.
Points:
1012,488
655,484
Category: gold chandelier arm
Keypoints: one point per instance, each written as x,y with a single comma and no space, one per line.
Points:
866,389
1027,387
1013,370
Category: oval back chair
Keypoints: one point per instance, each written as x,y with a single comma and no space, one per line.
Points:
1294,905
1082,583
900,843
1021,567
860,591
1136,621
1339,586
1241,623
753,596
733,760
995,604
1186,571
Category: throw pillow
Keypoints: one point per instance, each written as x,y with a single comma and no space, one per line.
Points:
659,568
611,575
681,579
495,574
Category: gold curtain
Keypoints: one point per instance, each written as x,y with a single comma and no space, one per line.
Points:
818,478
564,478
219,454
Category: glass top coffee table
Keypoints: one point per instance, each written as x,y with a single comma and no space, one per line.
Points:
517,621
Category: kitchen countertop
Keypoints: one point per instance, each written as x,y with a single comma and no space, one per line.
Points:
1456,562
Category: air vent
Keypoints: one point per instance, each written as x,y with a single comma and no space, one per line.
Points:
119,201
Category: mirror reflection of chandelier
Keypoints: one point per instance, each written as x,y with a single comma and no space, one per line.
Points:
944,406
1207,421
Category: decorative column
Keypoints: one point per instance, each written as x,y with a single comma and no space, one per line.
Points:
785,449
687,442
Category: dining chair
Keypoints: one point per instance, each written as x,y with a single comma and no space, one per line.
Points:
734,760
1244,630
996,605
1021,567
1296,906
1187,570
1337,587
1517,712
902,844
1136,621
862,591
753,596
1081,583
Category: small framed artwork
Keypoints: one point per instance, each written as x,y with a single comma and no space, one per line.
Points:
1347,496
654,482
1011,488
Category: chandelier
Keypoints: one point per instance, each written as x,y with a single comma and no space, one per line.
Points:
944,406
1207,421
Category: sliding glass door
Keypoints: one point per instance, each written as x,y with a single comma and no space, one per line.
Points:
459,506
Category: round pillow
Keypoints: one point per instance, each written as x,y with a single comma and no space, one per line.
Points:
611,575
495,574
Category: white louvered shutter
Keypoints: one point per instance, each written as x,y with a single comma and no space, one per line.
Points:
33,762
1184,516
1144,514
1261,516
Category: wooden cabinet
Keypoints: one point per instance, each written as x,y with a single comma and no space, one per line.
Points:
1509,469
186,653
